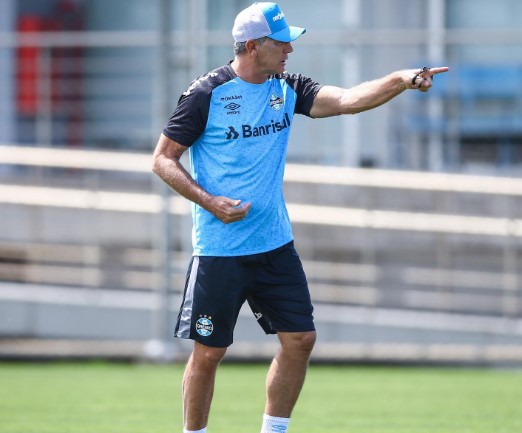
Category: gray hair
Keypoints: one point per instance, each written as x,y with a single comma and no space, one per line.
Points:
240,47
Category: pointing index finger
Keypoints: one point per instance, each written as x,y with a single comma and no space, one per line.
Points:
439,70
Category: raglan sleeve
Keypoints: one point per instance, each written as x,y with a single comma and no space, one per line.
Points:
189,118
306,90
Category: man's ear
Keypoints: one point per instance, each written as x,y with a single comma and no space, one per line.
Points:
251,46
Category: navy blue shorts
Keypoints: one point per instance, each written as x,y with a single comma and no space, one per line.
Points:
273,283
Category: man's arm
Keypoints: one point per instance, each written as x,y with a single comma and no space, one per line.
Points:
166,164
333,101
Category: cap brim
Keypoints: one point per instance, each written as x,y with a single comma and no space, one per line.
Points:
288,34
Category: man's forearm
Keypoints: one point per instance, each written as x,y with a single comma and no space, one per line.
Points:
371,94
172,172
333,101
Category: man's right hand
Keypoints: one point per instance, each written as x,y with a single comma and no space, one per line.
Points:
228,210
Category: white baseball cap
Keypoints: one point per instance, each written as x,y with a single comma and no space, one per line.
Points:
264,19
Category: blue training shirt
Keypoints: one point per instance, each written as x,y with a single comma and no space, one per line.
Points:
238,135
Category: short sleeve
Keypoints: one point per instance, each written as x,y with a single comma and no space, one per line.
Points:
306,90
189,119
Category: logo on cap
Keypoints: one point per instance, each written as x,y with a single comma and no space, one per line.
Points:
279,16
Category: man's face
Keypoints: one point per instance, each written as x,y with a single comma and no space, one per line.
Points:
272,56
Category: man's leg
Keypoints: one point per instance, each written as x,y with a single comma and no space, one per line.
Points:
198,385
287,372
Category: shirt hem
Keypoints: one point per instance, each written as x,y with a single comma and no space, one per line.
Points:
241,253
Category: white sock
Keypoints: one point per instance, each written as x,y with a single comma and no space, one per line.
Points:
203,430
273,424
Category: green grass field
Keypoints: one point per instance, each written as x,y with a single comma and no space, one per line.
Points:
121,398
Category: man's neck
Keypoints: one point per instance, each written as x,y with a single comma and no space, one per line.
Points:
247,73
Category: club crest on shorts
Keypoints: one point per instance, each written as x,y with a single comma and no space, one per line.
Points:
276,102
204,326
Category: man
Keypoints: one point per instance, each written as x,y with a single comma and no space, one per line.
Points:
236,121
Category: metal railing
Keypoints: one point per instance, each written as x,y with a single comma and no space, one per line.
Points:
112,99
365,244
497,226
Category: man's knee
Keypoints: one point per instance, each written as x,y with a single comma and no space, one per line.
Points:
206,356
306,340
300,341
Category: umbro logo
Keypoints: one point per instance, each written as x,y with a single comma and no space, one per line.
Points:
232,106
